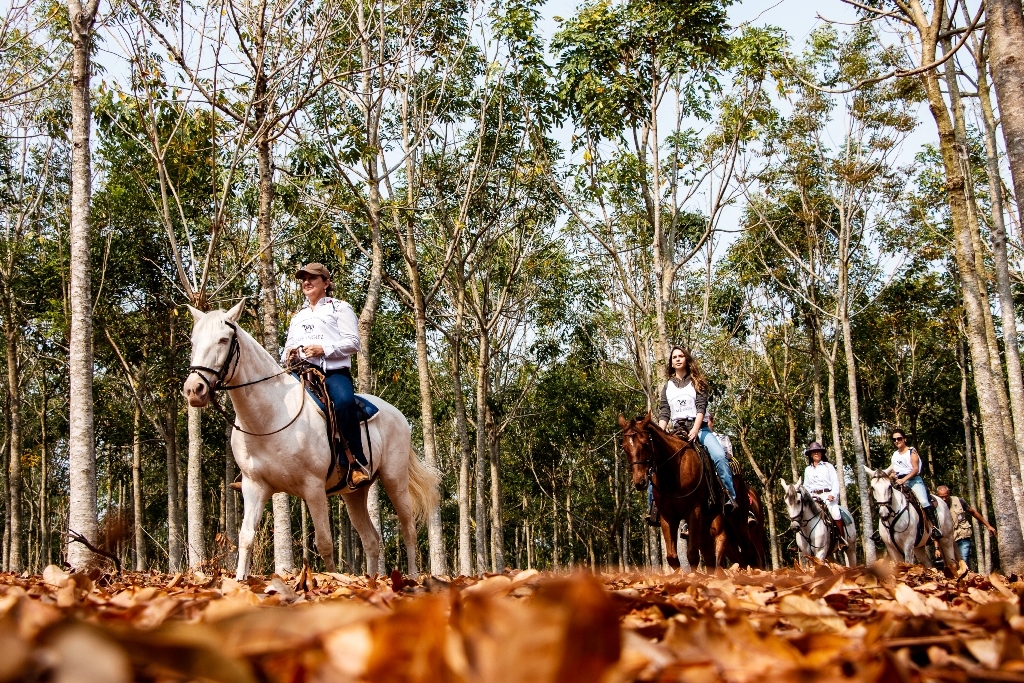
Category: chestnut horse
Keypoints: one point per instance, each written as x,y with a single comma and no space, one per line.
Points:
682,484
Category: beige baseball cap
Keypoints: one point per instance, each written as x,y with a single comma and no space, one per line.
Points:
313,269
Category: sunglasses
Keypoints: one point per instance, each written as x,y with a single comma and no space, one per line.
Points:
897,439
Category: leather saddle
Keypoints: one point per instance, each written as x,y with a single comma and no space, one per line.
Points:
924,525
343,462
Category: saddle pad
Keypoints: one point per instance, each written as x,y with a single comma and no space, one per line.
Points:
365,408
845,514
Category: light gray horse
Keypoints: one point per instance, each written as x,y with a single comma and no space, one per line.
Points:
813,535
280,441
898,520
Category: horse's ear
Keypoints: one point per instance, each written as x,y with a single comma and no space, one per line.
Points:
197,315
782,482
799,482
870,472
236,311
622,421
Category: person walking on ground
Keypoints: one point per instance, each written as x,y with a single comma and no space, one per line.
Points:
963,535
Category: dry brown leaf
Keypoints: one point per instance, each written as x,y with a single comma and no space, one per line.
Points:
813,616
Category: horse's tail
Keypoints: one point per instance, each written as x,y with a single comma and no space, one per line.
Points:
422,487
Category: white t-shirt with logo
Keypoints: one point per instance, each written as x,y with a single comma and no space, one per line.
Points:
682,401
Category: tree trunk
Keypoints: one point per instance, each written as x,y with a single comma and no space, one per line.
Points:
482,391
1008,318
174,554
1011,544
138,508
16,561
284,560
1011,437
791,428
1005,27
44,481
983,507
851,382
837,430
81,444
230,503
497,525
194,493
435,534
465,450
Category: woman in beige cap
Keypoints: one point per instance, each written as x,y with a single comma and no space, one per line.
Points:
325,333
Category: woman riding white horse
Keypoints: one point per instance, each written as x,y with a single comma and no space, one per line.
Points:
822,481
807,498
325,333
906,466
280,441
898,522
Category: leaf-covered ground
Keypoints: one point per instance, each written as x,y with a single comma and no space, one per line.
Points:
826,624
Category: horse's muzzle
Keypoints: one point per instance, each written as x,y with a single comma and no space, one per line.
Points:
196,391
794,526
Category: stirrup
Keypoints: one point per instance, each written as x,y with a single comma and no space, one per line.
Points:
357,477
936,534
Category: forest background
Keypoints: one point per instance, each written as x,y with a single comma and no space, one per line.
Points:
525,210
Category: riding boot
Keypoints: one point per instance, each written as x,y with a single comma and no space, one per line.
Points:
841,531
933,518
730,503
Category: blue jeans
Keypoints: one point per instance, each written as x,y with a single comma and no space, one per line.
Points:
718,457
963,546
339,388
916,484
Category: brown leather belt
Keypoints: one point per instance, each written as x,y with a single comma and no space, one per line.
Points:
819,491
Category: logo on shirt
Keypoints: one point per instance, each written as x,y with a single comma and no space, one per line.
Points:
308,328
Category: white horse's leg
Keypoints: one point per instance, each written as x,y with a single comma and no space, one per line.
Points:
320,511
368,536
398,492
851,547
254,497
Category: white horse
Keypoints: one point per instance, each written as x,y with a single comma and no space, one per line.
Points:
813,535
280,441
898,521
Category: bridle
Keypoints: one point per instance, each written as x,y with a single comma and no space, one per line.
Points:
800,520
227,371
894,515
653,465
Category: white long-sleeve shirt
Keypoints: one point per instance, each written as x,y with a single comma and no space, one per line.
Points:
333,325
822,478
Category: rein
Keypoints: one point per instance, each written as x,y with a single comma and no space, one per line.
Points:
799,518
653,466
891,526
230,365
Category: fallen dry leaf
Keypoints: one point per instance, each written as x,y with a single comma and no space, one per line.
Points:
826,623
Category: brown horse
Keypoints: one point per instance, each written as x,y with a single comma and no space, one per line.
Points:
682,484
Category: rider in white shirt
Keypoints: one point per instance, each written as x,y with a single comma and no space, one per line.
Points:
822,481
906,465
325,332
